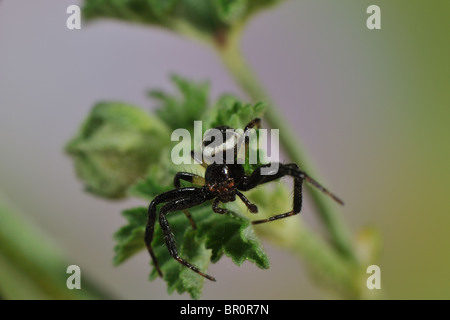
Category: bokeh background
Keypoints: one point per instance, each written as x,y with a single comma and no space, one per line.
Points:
371,108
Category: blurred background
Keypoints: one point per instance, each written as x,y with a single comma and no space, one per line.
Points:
371,108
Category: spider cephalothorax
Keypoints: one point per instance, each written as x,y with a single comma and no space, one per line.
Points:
223,181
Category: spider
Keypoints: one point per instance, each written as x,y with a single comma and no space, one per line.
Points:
221,183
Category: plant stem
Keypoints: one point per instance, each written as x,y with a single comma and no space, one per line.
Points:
233,59
333,270
32,266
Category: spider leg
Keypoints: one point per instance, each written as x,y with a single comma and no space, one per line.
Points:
253,208
197,160
175,205
252,124
256,178
189,177
192,178
215,207
171,195
255,123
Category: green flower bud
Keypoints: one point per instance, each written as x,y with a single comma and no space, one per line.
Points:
115,146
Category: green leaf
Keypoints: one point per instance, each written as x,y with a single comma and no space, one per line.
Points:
231,10
161,8
231,112
130,238
211,17
232,235
196,253
198,13
159,177
115,146
228,234
154,184
180,111
148,12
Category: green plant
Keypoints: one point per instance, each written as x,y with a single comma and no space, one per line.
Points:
32,266
115,150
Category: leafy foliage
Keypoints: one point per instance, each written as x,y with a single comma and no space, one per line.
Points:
121,149
180,111
206,16
114,147
230,111
130,237
216,235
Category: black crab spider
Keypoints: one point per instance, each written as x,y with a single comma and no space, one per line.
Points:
222,183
